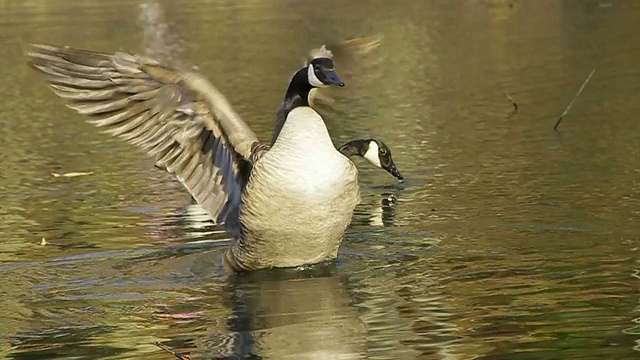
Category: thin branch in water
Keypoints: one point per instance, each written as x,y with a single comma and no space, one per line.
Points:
72,174
515,106
168,349
555,127
513,103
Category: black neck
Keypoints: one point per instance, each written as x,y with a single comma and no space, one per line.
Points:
298,92
355,147
297,95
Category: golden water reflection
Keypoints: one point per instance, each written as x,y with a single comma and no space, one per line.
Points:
507,241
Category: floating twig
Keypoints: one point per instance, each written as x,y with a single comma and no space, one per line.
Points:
515,106
72,174
73,245
168,349
555,127
513,103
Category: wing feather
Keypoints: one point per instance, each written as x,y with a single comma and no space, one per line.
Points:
178,118
352,57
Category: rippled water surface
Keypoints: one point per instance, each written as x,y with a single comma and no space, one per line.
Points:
507,241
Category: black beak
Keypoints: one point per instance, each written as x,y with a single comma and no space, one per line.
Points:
333,79
393,170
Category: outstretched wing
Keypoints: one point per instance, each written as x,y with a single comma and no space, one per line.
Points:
352,58
159,42
178,118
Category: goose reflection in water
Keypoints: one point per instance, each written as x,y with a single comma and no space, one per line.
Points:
335,310
288,314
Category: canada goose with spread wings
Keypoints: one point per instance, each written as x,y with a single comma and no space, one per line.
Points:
287,204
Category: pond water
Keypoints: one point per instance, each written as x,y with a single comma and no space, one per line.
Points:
507,240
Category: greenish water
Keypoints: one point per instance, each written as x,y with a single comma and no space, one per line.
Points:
507,241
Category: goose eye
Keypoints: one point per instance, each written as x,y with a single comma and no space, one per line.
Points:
316,67
383,152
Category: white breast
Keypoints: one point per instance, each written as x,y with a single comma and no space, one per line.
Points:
304,124
299,199
304,148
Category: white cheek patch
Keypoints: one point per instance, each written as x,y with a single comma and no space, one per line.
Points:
372,154
313,79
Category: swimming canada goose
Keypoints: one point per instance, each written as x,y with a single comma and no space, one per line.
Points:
375,151
286,205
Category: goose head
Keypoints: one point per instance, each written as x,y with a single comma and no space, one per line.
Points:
321,73
376,152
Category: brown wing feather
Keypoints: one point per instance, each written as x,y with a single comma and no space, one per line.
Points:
352,59
179,119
